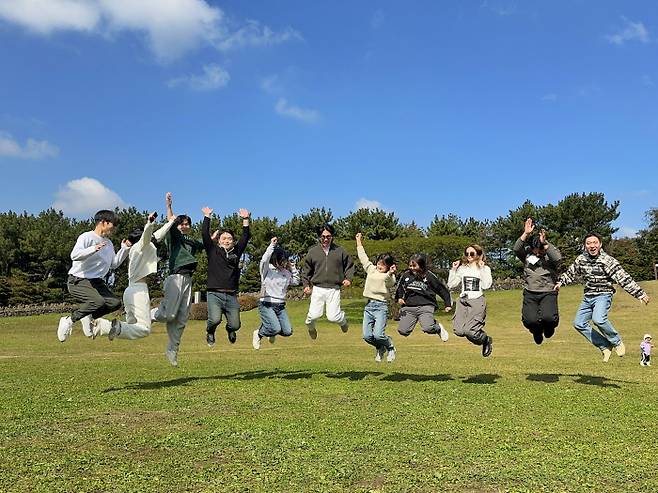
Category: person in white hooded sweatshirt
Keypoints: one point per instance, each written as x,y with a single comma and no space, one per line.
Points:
142,262
276,274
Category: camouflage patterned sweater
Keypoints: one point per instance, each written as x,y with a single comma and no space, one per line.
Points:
599,273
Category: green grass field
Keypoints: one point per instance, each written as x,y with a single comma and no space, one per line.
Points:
302,415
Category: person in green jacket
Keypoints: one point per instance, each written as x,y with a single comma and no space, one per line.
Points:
175,306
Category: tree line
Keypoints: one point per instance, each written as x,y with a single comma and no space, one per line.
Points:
35,249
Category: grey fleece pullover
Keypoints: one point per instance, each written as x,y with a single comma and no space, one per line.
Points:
539,276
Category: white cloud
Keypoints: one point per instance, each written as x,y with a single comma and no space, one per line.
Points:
549,97
364,203
33,149
631,31
85,196
255,34
213,77
170,27
283,108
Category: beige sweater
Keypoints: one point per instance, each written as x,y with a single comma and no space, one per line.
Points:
377,283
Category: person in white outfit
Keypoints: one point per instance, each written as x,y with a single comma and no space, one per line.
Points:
276,274
142,262
472,276
93,256
327,267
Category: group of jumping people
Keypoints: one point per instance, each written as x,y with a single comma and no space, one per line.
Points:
326,269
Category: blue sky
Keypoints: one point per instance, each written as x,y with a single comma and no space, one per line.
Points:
420,108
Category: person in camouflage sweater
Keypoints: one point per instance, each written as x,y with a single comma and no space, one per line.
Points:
599,271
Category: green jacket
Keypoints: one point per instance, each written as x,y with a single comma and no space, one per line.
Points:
181,250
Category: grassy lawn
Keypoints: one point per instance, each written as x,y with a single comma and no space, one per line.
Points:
302,415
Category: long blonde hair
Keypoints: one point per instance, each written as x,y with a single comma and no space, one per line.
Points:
478,249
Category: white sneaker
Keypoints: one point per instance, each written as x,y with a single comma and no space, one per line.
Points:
64,328
87,326
312,331
272,339
345,327
172,357
642,363
255,340
443,333
620,349
115,330
606,354
391,356
95,329
153,312
379,354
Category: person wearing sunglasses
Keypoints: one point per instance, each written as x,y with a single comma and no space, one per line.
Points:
327,267
539,313
473,277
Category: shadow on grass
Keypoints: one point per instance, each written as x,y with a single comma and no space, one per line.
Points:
578,378
482,379
288,375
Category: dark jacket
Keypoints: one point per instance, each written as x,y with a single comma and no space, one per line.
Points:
223,265
327,270
419,291
182,250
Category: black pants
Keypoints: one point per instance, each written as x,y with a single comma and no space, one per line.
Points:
94,296
539,312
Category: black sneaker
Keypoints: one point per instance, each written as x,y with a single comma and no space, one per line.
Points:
537,336
210,339
549,332
487,347
232,336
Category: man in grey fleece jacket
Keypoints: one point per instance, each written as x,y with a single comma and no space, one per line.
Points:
326,268
599,270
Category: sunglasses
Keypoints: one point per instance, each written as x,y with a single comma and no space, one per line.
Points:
471,254
326,236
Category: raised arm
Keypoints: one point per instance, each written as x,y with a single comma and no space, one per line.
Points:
170,212
246,232
363,256
265,260
205,228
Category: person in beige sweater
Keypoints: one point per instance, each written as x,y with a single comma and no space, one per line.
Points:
380,278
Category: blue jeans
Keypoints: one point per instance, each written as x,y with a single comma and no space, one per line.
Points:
374,325
223,304
595,309
274,320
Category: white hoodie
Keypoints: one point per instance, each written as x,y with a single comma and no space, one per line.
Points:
275,282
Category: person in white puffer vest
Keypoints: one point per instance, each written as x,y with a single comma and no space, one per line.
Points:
142,262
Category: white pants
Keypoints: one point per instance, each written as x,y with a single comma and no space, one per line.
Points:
175,307
329,297
137,304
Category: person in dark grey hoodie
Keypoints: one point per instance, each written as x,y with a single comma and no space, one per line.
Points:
540,259
327,267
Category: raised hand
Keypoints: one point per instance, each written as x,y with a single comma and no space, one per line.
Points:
207,211
455,264
215,235
528,226
358,238
244,214
274,240
153,216
168,199
542,236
